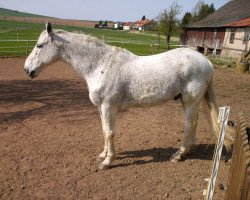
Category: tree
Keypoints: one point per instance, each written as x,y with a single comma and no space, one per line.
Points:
105,23
143,17
187,19
196,9
100,22
168,21
202,10
211,8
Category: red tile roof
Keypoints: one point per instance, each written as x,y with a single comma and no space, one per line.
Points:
143,22
128,24
240,23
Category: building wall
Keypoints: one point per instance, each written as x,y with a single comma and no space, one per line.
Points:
236,48
203,37
192,37
126,28
116,25
206,39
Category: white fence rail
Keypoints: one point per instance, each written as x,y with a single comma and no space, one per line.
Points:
25,46
15,46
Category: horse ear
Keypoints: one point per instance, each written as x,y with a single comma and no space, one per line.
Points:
49,28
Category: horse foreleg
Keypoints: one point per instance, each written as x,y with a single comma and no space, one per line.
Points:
102,155
190,124
108,115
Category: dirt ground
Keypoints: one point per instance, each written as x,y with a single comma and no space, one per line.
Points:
50,136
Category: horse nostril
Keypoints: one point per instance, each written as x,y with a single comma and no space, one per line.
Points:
32,74
26,71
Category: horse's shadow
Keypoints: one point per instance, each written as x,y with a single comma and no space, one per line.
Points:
159,155
35,98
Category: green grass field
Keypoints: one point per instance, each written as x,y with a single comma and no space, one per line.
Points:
8,12
19,38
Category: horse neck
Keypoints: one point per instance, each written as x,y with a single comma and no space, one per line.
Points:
85,53
81,52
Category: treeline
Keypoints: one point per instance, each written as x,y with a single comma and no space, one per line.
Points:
169,23
102,24
201,11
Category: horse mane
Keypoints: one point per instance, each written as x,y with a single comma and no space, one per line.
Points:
89,38
80,36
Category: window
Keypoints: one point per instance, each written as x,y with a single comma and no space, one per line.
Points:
246,37
232,35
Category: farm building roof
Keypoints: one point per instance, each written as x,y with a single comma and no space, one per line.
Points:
127,24
240,23
145,22
233,11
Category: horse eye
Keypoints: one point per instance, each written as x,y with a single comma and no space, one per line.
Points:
39,46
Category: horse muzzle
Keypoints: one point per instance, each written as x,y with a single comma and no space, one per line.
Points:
31,74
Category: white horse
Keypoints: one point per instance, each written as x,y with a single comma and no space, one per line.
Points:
118,79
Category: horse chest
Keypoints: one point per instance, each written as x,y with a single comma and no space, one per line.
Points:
102,89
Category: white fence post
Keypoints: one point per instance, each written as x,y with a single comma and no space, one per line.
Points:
27,47
223,118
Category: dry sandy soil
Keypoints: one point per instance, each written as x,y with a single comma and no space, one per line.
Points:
51,135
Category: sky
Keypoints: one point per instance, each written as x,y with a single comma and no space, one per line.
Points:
114,10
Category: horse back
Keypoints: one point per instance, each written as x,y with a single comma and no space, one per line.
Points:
154,79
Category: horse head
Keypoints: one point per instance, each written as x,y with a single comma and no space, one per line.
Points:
44,53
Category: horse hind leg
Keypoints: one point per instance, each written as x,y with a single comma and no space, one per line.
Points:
190,124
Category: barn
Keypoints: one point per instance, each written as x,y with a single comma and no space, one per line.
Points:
213,33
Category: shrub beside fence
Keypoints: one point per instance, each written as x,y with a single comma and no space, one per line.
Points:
239,175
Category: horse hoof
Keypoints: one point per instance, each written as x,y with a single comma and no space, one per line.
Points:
103,167
175,158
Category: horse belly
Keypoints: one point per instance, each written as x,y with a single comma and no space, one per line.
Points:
150,95
152,81
151,100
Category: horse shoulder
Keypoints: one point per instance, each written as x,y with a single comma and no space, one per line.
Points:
104,86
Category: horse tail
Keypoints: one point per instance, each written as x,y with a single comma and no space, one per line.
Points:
211,110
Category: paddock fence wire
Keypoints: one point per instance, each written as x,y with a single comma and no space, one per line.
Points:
238,186
16,47
22,47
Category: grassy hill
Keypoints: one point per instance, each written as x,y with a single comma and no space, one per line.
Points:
7,13
18,38
19,32
13,15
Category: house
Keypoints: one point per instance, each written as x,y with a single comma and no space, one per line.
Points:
144,25
118,25
237,38
213,33
127,26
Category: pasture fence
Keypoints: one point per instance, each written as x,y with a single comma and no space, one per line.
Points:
239,176
20,47
16,47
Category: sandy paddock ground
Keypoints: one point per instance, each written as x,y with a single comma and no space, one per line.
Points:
50,136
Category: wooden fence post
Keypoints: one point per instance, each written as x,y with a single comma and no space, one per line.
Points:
238,187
